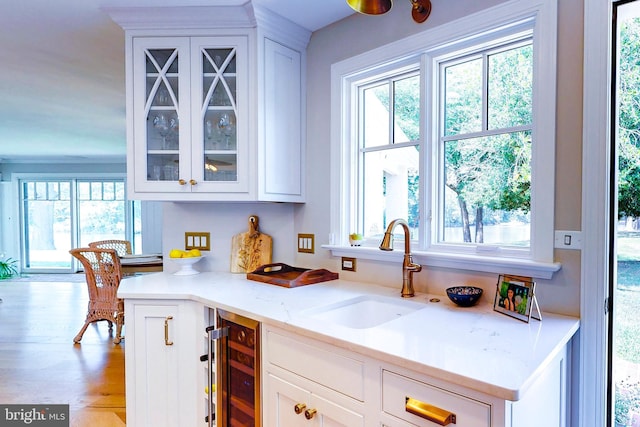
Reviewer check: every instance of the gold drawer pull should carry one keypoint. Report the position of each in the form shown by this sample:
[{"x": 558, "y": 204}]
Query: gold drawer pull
[
  {"x": 166, "y": 331},
  {"x": 182, "y": 181},
  {"x": 309, "y": 413},
  {"x": 429, "y": 412},
  {"x": 193, "y": 182},
  {"x": 299, "y": 408}
]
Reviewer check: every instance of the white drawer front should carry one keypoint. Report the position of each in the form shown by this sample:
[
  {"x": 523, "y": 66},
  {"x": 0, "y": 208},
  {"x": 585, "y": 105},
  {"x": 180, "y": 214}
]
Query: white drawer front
[
  {"x": 321, "y": 365},
  {"x": 396, "y": 388}
]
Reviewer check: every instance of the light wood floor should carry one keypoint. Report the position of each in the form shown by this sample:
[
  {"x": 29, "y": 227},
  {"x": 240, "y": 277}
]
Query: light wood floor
[{"x": 40, "y": 364}]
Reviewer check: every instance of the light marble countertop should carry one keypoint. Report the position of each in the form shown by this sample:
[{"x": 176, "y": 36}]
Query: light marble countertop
[{"x": 475, "y": 347}]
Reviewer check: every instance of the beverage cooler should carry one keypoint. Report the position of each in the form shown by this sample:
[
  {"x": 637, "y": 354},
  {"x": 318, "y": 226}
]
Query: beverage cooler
[{"x": 233, "y": 379}]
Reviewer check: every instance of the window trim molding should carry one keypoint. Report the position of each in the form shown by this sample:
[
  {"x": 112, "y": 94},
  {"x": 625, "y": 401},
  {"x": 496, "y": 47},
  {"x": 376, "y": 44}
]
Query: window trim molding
[{"x": 432, "y": 42}]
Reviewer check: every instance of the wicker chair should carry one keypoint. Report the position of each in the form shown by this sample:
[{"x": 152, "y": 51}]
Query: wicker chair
[
  {"x": 122, "y": 247},
  {"x": 103, "y": 273}
]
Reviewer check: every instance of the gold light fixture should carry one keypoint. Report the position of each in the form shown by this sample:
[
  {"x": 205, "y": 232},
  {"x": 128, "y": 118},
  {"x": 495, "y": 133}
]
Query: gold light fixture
[{"x": 420, "y": 9}]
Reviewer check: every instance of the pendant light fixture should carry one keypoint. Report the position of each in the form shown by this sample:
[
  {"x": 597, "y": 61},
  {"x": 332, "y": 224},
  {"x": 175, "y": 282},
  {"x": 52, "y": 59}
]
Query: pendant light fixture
[{"x": 420, "y": 9}]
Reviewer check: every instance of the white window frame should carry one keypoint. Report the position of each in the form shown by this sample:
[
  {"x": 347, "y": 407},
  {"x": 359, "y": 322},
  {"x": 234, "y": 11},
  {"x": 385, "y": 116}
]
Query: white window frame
[{"x": 503, "y": 20}]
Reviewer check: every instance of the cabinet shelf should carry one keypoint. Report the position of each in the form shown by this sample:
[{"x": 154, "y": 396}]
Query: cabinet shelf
[
  {"x": 215, "y": 74},
  {"x": 163, "y": 152},
  {"x": 242, "y": 367},
  {"x": 156, "y": 75},
  {"x": 242, "y": 406},
  {"x": 242, "y": 348}
]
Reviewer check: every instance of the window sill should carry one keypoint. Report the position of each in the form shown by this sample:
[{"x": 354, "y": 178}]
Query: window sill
[{"x": 488, "y": 264}]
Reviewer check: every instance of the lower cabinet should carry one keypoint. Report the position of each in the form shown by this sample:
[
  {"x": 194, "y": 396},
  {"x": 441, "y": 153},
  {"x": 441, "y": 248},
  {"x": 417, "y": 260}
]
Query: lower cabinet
[
  {"x": 291, "y": 405},
  {"x": 306, "y": 382},
  {"x": 312, "y": 383},
  {"x": 421, "y": 403},
  {"x": 161, "y": 356}
]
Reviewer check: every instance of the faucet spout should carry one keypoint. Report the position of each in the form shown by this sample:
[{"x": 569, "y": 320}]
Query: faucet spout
[{"x": 408, "y": 266}]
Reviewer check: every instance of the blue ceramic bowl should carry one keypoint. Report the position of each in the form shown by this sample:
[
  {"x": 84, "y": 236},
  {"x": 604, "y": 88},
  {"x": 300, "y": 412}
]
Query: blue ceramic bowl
[{"x": 464, "y": 296}]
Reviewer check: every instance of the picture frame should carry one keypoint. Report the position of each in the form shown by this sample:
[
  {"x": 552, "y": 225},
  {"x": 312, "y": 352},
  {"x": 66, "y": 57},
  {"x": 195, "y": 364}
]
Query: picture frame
[{"x": 515, "y": 297}]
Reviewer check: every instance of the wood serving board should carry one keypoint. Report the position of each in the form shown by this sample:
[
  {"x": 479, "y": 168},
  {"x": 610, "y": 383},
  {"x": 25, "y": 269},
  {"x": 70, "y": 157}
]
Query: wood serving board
[
  {"x": 251, "y": 249},
  {"x": 290, "y": 277}
]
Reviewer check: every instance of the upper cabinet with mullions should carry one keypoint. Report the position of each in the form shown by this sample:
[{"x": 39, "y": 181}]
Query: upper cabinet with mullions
[
  {"x": 215, "y": 104},
  {"x": 192, "y": 133}
]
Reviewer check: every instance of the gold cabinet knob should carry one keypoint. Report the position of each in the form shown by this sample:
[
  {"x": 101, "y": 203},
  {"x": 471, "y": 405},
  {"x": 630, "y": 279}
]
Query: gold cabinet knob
[
  {"x": 299, "y": 408},
  {"x": 182, "y": 181},
  {"x": 193, "y": 181},
  {"x": 309, "y": 413}
]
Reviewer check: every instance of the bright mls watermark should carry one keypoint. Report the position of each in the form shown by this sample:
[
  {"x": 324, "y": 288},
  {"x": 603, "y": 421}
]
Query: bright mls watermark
[{"x": 34, "y": 415}]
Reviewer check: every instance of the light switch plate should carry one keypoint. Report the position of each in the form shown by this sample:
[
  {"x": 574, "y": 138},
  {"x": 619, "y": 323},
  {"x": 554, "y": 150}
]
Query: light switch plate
[
  {"x": 306, "y": 243},
  {"x": 348, "y": 264},
  {"x": 568, "y": 239},
  {"x": 197, "y": 240}
]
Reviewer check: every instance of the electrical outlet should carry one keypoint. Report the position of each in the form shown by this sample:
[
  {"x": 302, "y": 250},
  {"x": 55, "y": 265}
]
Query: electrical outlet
[
  {"x": 197, "y": 240},
  {"x": 348, "y": 264},
  {"x": 568, "y": 239},
  {"x": 306, "y": 243}
]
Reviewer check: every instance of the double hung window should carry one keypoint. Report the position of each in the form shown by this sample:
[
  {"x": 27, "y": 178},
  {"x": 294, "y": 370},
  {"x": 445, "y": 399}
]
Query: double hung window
[{"x": 457, "y": 138}]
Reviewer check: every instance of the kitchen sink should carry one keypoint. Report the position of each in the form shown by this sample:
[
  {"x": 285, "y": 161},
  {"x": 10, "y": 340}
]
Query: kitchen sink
[{"x": 364, "y": 311}]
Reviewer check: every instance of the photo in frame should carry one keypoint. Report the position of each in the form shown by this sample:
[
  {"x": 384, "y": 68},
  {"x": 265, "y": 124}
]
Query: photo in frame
[{"x": 515, "y": 297}]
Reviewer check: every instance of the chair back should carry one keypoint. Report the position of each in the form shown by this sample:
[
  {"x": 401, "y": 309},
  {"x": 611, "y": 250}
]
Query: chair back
[
  {"x": 122, "y": 247},
  {"x": 103, "y": 273}
]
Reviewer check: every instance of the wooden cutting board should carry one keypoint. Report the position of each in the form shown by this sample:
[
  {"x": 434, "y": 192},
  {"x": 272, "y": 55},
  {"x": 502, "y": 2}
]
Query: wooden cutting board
[{"x": 251, "y": 249}]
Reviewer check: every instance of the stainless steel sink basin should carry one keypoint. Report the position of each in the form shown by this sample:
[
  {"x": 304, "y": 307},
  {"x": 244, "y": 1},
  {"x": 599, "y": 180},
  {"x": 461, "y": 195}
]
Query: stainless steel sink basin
[{"x": 364, "y": 311}]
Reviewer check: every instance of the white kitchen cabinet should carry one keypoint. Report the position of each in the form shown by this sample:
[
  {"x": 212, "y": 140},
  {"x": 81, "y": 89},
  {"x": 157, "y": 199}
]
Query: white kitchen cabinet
[
  {"x": 343, "y": 386},
  {"x": 308, "y": 384},
  {"x": 215, "y": 104},
  {"x": 161, "y": 355},
  {"x": 292, "y": 405},
  {"x": 190, "y": 115}
]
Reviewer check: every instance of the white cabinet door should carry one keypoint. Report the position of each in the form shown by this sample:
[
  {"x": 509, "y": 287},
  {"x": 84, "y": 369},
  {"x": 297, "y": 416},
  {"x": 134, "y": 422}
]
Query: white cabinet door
[
  {"x": 282, "y": 145},
  {"x": 161, "y": 364},
  {"x": 291, "y": 405},
  {"x": 191, "y": 118},
  {"x": 220, "y": 115},
  {"x": 161, "y": 114}
]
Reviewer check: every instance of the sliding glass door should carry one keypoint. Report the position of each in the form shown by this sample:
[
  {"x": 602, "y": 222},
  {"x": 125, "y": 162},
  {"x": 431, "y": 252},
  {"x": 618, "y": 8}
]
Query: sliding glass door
[{"x": 60, "y": 214}]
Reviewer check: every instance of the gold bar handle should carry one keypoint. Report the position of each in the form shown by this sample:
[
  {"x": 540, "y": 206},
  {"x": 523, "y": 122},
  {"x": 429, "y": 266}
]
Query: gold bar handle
[
  {"x": 429, "y": 412},
  {"x": 166, "y": 331}
]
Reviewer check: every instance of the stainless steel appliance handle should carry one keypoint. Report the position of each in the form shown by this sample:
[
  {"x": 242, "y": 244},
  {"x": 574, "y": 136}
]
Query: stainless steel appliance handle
[{"x": 212, "y": 335}]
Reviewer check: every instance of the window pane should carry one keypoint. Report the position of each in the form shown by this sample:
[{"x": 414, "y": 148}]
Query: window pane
[
  {"x": 376, "y": 116},
  {"x": 390, "y": 186},
  {"x": 510, "y": 88},
  {"x": 96, "y": 191},
  {"x": 102, "y": 215},
  {"x": 83, "y": 189},
  {"x": 406, "y": 113},
  {"x": 47, "y": 225},
  {"x": 463, "y": 97},
  {"x": 487, "y": 190}
]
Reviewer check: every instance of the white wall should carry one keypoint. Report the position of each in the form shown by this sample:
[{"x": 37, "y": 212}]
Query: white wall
[
  {"x": 223, "y": 221},
  {"x": 357, "y": 34}
]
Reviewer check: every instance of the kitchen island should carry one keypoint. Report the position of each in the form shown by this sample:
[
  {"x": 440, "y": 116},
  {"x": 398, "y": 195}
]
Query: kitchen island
[{"x": 489, "y": 360}]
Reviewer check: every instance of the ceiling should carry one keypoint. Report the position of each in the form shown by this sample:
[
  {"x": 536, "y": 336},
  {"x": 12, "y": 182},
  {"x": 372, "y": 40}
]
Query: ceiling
[{"x": 62, "y": 74}]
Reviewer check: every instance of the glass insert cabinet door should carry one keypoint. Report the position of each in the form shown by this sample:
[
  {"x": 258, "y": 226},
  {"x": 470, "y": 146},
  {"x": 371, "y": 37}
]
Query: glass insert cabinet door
[
  {"x": 161, "y": 112},
  {"x": 190, "y": 114},
  {"x": 220, "y": 154},
  {"x": 219, "y": 121}
]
